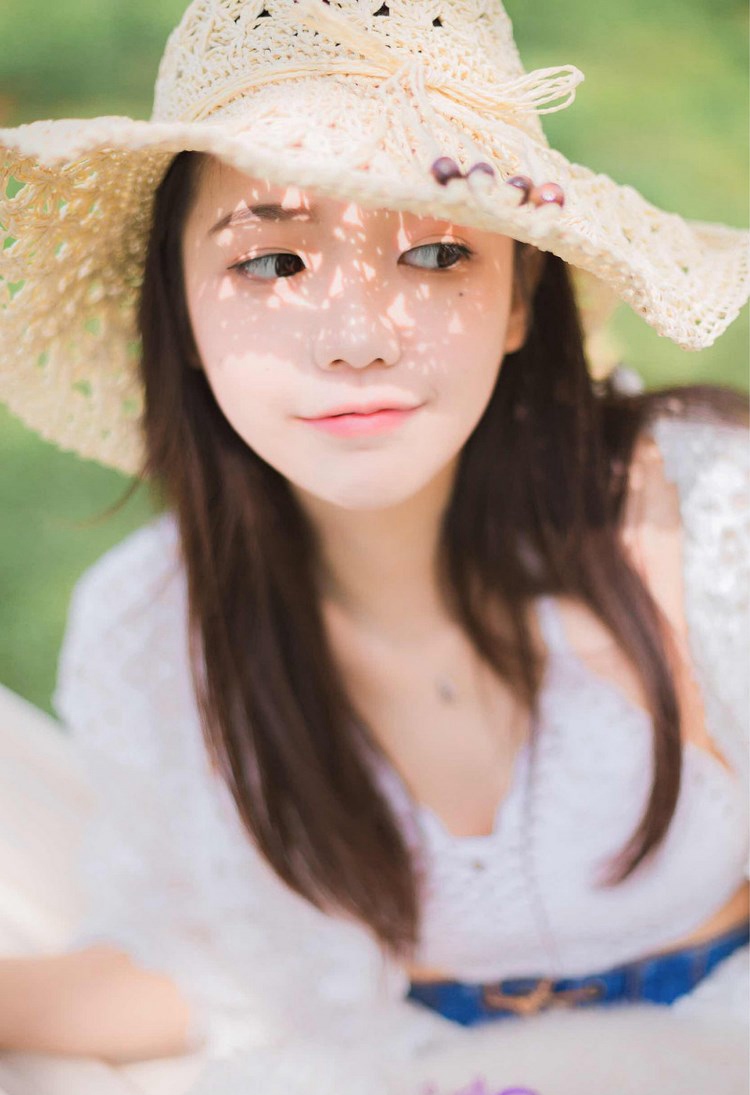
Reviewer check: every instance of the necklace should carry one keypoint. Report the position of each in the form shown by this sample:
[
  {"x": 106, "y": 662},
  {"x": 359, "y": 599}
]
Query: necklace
[{"x": 446, "y": 688}]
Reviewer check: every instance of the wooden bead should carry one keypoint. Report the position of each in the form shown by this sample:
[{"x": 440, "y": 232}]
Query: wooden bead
[
  {"x": 481, "y": 177},
  {"x": 547, "y": 194},
  {"x": 524, "y": 183},
  {"x": 485, "y": 168},
  {"x": 444, "y": 169}
]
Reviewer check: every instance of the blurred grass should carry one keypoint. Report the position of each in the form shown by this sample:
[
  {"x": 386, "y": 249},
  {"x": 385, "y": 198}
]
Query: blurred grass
[{"x": 664, "y": 107}]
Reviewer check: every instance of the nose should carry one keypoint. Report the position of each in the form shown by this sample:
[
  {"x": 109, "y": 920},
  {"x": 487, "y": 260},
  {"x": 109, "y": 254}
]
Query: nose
[{"x": 355, "y": 330}]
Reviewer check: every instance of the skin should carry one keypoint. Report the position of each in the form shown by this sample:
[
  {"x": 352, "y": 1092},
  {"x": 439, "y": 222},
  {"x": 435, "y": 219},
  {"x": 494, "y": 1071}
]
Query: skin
[
  {"x": 365, "y": 313},
  {"x": 371, "y": 315}
]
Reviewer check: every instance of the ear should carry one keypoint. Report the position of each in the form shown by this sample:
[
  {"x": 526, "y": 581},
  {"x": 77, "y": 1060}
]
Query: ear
[
  {"x": 193, "y": 357},
  {"x": 529, "y": 264},
  {"x": 515, "y": 332}
]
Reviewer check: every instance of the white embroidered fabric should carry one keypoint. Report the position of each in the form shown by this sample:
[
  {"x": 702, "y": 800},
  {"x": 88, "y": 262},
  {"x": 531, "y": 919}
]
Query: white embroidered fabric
[
  {"x": 520, "y": 901},
  {"x": 167, "y": 872},
  {"x": 170, "y": 876}
]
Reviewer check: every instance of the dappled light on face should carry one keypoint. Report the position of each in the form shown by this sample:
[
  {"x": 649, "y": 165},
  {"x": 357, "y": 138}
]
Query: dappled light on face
[
  {"x": 352, "y": 216},
  {"x": 368, "y": 269},
  {"x": 304, "y": 304},
  {"x": 399, "y": 312},
  {"x": 295, "y": 285}
]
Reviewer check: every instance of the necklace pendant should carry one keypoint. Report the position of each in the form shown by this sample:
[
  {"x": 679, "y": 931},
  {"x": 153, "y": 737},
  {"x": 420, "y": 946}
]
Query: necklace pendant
[{"x": 446, "y": 689}]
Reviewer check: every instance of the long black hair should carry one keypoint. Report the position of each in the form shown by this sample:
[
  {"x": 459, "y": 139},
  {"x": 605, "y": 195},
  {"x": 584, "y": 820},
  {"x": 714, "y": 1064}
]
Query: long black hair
[{"x": 536, "y": 508}]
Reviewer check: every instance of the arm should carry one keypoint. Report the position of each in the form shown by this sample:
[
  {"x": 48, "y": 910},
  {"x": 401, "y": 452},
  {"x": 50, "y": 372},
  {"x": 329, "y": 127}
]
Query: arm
[
  {"x": 141, "y": 974},
  {"x": 90, "y": 1003},
  {"x": 690, "y": 537}
]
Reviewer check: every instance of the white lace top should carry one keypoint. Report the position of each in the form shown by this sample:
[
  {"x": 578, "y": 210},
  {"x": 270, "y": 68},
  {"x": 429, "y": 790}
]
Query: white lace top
[
  {"x": 520, "y": 901},
  {"x": 170, "y": 876}
]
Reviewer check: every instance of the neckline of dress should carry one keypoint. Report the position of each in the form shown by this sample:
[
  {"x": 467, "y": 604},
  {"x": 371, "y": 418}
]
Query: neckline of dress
[{"x": 558, "y": 651}]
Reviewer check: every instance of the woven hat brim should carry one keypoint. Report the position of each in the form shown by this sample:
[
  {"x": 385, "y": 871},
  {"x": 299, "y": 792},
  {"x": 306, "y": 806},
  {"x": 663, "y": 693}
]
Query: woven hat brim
[{"x": 81, "y": 219}]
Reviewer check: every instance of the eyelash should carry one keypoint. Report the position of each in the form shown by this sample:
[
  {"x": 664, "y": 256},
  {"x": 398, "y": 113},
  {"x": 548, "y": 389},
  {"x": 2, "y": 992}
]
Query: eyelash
[{"x": 464, "y": 255}]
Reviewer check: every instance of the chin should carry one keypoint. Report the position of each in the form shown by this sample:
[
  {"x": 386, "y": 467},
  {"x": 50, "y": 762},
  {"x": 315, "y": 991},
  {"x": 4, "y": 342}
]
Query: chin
[{"x": 371, "y": 495}]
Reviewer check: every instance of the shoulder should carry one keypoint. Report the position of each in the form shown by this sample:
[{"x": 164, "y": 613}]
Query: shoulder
[
  {"x": 128, "y": 577},
  {"x": 704, "y": 456},
  {"x": 700, "y": 560},
  {"x": 687, "y": 511},
  {"x": 118, "y": 608},
  {"x": 694, "y": 470}
]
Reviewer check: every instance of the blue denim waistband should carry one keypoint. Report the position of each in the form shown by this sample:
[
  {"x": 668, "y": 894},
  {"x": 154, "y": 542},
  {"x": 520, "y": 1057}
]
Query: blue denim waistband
[{"x": 660, "y": 979}]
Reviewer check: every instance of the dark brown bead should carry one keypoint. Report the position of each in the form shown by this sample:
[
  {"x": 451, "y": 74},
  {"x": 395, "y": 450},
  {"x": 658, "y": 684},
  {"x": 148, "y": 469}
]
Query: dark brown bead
[
  {"x": 547, "y": 194},
  {"x": 485, "y": 168},
  {"x": 522, "y": 182},
  {"x": 444, "y": 169}
]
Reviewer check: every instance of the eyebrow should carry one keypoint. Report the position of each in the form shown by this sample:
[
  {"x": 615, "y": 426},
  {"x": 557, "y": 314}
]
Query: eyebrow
[{"x": 272, "y": 212}]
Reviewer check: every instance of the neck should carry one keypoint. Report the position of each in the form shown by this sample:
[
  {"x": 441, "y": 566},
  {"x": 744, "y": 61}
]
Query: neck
[{"x": 378, "y": 566}]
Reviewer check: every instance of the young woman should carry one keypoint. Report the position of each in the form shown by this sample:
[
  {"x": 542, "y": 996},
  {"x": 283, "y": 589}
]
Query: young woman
[{"x": 435, "y": 654}]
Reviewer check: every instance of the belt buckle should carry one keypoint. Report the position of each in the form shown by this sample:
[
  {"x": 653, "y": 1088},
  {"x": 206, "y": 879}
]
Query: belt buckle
[
  {"x": 541, "y": 996},
  {"x": 529, "y": 1003}
]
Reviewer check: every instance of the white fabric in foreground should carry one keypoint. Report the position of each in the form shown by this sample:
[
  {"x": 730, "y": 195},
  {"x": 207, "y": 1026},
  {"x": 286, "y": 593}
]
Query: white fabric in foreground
[
  {"x": 168, "y": 873},
  {"x": 698, "y": 1045}
]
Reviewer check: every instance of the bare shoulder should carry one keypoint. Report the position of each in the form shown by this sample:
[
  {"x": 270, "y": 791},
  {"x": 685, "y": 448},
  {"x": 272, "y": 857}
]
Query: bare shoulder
[
  {"x": 652, "y": 496},
  {"x": 689, "y": 482},
  {"x": 689, "y": 470}
]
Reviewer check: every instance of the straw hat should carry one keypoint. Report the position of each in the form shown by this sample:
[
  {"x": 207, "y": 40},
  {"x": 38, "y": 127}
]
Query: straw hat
[{"x": 418, "y": 105}]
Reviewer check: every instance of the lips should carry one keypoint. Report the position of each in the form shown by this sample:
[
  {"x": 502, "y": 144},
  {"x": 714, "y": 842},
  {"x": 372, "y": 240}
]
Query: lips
[
  {"x": 358, "y": 425},
  {"x": 364, "y": 409}
]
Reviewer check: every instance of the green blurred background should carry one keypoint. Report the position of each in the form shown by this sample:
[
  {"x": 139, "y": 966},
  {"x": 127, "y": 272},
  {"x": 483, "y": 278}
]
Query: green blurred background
[{"x": 664, "y": 108}]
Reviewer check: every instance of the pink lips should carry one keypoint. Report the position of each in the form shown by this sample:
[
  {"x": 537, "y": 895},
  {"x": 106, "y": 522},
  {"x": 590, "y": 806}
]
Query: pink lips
[{"x": 356, "y": 425}]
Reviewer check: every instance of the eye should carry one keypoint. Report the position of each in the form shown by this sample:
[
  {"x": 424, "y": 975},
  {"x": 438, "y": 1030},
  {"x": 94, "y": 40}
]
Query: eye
[
  {"x": 281, "y": 264},
  {"x": 268, "y": 267},
  {"x": 448, "y": 255}
]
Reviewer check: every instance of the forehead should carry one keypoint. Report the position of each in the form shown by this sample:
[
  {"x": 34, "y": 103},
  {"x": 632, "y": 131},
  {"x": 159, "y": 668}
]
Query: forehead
[{"x": 224, "y": 189}]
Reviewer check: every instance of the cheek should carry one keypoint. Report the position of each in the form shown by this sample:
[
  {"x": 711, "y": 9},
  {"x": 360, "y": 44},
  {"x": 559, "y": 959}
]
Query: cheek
[
  {"x": 246, "y": 352},
  {"x": 470, "y": 345},
  {"x": 245, "y": 383},
  {"x": 255, "y": 403},
  {"x": 225, "y": 325},
  {"x": 250, "y": 386}
]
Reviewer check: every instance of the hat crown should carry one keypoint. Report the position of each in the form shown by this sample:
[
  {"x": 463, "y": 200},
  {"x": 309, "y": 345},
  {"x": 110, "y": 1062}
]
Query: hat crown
[{"x": 222, "y": 49}]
